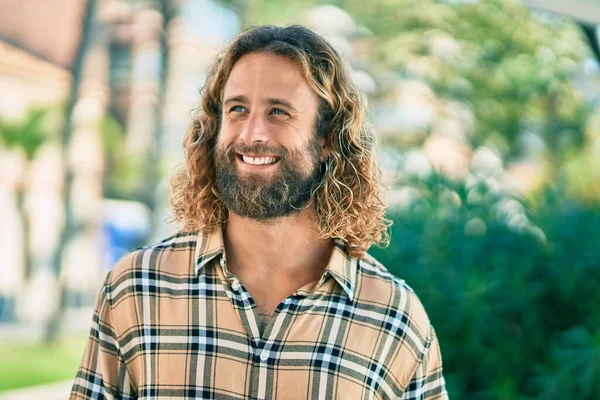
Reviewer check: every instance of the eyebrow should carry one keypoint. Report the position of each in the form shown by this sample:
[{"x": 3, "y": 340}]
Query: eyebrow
[{"x": 271, "y": 100}]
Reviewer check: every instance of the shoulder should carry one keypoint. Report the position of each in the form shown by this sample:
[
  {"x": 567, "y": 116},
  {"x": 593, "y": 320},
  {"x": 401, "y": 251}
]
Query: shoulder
[
  {"x": 172, "y": 255},
  {"x": 393, "y": 296},
  {"x": 413, "y": 359}
]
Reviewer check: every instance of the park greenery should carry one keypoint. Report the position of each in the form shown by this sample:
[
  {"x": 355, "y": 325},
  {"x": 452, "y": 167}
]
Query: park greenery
[
  {"x": 30, "y": 364},
  {"x": 509, "y": 280},
  {"x": 515, "y": 306}
]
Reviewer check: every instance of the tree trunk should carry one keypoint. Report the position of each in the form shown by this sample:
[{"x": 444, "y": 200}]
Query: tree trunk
[{"x": 53, "y": 326}]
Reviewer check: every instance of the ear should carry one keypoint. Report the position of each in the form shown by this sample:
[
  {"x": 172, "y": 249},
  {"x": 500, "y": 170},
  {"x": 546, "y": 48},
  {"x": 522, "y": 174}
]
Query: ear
[{"x": 324, "y": 151}]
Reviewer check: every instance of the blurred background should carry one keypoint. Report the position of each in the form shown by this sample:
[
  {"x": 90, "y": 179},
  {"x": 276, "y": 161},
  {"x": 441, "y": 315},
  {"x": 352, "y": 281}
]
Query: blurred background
[{"x": 487, "y": 113}]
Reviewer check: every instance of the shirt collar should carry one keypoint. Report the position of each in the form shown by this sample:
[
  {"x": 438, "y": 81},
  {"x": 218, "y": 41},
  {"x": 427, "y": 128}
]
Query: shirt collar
[
  {"x": 341, "y": 266},
  {"x": 208, "y": 246}
]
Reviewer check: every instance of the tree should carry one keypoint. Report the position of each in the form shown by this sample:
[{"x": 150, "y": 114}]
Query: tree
[
  {"x": 27, "y": 135},
  {"x": 53, "y": 326}
]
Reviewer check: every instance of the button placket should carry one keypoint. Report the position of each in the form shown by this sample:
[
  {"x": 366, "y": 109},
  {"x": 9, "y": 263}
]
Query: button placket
[{"x": 264, "y": 355}]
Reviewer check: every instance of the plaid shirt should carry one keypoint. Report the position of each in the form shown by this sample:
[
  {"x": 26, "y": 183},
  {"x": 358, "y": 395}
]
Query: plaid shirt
[{"x": 172, "y": 321}]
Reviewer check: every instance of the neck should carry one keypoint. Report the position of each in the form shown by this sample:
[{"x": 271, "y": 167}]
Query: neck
[{"x": 287, "y": 246}]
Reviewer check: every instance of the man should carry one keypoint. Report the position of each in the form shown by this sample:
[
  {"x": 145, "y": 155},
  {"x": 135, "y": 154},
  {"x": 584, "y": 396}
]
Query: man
[{"x": 267, "y": 292}]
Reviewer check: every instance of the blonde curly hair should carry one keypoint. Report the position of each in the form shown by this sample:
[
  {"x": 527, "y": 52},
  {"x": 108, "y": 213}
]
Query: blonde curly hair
[{"x": 348, "y": 204}]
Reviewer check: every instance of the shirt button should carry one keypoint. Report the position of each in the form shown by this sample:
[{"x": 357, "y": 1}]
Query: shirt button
[
  {"x": 235, "y": 286},
  {"x": 264, "y": 355}
]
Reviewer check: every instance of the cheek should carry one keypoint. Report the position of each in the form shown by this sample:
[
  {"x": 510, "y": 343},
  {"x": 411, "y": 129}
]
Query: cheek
[
  {"x": 226, "y": 133},
  {"x": 230, "y": 131},
  {"x": 307, "y": 157}
]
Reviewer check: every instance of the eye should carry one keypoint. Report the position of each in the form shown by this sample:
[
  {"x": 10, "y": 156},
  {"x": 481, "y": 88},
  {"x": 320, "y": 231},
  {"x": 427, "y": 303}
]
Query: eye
[
  {"x": 278, "y": 111},
  {"x": 237, "y": 109}
]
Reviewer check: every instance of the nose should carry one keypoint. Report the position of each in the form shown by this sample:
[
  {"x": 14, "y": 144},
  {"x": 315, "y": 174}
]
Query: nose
[{"x": 254, "y": 129}]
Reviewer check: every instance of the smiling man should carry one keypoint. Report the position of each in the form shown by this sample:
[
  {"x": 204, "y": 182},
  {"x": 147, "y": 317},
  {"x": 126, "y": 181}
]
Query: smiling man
[{"x": 267, "y": 292}]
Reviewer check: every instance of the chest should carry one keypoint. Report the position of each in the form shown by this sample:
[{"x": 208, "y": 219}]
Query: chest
[
  {"x": 270, "y": 290},
  {"x": 315, "y": 346},
  {"x": 266, "y": 296}
]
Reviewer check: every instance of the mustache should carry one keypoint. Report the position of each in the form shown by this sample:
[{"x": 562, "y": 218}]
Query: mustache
[{"x": 258, "y": 149}]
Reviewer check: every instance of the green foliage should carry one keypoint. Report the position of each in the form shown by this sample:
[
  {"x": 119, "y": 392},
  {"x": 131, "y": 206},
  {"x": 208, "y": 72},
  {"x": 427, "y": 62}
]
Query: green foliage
[
  {"x": 125, "y": 176},
  {"x": 111, "y": 132},
  {"x": 127, "y": 179},
  {"x": 279, "y": 12},
  {"x": 511, "y": 70},
  {"x": 28, "y": 134},
  {"x": 582, "y": 174},
  {"x": 515, "y": 305}
]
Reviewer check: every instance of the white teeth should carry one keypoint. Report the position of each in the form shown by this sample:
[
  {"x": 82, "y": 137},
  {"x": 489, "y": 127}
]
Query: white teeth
[{"x": 259, "y": 161}]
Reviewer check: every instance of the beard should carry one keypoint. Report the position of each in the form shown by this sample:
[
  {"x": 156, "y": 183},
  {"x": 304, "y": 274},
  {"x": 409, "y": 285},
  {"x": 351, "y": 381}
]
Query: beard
[{"x": 265, "y": 197}]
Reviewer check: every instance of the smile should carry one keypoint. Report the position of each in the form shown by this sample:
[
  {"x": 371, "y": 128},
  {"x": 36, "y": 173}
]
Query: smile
[{"x": 258, "y": 160}]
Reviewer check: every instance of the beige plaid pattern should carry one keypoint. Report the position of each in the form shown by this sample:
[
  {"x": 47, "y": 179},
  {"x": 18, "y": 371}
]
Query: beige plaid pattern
[{"x": 172, "y": 322}]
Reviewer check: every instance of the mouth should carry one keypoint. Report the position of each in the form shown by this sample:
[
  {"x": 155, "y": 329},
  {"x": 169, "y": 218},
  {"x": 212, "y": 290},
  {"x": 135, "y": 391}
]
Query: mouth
[{"x": 256, "y": 161}]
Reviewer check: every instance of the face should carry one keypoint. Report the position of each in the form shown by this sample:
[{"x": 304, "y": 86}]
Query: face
[{"x": 268, "y": 154}]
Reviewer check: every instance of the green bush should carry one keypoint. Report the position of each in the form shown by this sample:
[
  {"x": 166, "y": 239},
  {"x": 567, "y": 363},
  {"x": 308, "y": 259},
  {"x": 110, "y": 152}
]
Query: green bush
[{"x": 513, "y": 296}]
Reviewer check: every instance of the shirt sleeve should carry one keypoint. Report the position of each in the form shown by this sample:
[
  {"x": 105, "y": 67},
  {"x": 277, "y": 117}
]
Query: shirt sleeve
[
  {"x": 102, "y": 373},
  {"x": 428, "y": 381}
]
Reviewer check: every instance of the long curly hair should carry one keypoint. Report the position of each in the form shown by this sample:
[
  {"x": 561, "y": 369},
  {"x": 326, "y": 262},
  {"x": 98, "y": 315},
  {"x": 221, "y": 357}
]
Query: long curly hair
[{"x": 348, "y": 204}]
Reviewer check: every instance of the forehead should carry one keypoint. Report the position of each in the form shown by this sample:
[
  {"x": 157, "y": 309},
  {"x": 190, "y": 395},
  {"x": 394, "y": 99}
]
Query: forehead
[{"x": 262, "y": 75}]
